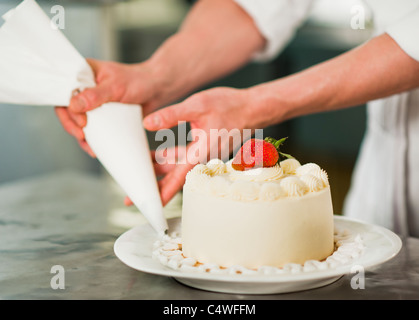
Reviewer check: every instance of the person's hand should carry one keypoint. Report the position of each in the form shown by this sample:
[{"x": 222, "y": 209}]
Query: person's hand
[
  {"x": 212, "y": 114},
  {"x": 116, "y": 82}
]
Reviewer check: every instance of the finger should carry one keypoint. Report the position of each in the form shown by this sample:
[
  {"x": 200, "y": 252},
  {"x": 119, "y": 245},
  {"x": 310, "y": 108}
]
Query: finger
[
  {"x": 163, "y": 169},
  {"x": 79, "y": 118},
  {"x": 94, "y": 64},
  {"x": 168, "y": 155},
  {"x": 164, "y": 160},
  {"x": 170, "y": 116},
  {"x": 69, "y": 125},
  {"x": 85, "y": 146},
  {"x": 128, "y": 202},
  {"x": 91, "y": 98},
  {"x": 148, "y": 107},
  {"x": 169, "y": 185},
  {"x": 153, "y": 155},
  {"x": 173, "y": 182}
]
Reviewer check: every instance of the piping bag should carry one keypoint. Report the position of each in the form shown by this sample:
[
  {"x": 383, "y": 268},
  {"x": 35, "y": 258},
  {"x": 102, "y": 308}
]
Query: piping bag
[{"x": 40, "y": 67}]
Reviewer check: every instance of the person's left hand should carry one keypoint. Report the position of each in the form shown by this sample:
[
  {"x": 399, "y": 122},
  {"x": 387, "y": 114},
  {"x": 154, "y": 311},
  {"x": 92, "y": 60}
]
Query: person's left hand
[
  {"x": 139, "y": 83},
  {"x": 215, "y": 111}
]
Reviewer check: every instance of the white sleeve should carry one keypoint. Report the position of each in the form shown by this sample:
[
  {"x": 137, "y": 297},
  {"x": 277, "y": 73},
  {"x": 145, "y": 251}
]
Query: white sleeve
[
  {"x": 406, "y": 33},
  {"x": 277, "y": 20}
]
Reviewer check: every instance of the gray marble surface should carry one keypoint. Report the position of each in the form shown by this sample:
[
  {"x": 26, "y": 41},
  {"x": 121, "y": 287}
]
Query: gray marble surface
[{"x": 73, "y": 219}]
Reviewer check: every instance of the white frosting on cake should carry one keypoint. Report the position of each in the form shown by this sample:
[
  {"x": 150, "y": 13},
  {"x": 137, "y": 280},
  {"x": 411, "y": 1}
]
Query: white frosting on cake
[
  {"x": 219, "y": 187},
  {"x": 289, "y": 177},
  {"x": 271, "y": 191},
  {"x": 290, "y": 165},
  {"x": 265, "y": 216},
  {"x": 312, "y": 182},
  {"x": 244, "y": 190},
  {"x": 258, "y": 174},
  {"x": 347, "y": 247},
  {"x": 294, "y": 186},
  {"x": 216, "y": 167},
  {"x": 201, "y": 169},
  {"x": 306, "y": 168}
]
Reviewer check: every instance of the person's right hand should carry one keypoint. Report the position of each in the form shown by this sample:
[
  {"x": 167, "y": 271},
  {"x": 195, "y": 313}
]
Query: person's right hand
[
  {"x": 217, "y": 117},
  {"x": 115, "y": 82}
]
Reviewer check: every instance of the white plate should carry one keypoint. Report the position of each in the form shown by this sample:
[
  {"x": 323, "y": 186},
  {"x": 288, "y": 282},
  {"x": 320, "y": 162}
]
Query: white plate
[{"x": 134, "y": 248}]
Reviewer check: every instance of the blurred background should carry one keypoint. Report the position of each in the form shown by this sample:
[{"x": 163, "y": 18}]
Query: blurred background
[{"x": 33, "y": 142}]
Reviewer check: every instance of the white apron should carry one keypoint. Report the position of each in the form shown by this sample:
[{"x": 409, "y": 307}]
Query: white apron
[{"x": 385, "y": 184}]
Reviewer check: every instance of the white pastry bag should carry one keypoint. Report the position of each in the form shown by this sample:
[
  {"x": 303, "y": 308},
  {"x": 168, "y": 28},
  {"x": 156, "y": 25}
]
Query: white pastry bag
[{"x": 40, "y": 67}]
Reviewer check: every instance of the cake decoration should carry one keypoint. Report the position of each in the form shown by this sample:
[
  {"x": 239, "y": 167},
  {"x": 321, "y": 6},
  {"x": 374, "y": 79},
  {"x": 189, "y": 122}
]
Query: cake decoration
[
  {"x": 307, "y": 168},
  {"x": 294, "y": 186},
  {"x": 347, "y": 247},
  {"x": 290, "y": 166},
  {"x": 244, "y": 190},
  {"x": 216, "y": 167},
  {"x": 258, "y": 153},
  {"x": 288, "y": 177},
  {"x": 258, "y": 174},
  {"x": 313, "y": 183},
  {"x": 271, "y": 191}
]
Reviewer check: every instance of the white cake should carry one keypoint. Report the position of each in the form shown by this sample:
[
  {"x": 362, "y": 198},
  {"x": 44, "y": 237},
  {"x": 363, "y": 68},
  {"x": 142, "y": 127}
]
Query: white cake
[{"x": 259, "y": 217}]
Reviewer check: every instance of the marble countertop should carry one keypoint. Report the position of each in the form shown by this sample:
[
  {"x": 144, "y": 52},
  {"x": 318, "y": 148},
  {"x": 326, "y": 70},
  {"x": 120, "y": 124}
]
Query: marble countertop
[{"x": 72, "y": 220}]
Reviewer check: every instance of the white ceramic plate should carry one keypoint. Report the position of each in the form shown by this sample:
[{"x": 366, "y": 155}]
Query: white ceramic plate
[{"x": 134, "y": 248}]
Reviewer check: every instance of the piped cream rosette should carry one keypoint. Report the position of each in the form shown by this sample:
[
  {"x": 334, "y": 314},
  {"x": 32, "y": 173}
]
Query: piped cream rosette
[{"x": 288, "y": 178}]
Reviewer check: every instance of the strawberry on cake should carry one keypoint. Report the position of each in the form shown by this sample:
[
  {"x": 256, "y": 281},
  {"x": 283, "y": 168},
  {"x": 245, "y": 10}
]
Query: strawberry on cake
[{"x": 257, "y": 210}]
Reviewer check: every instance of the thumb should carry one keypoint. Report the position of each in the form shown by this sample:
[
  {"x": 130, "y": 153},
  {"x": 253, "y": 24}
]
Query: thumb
[
  {"x": 170, "y": 116},
  {"x": 91, "y": 98}
]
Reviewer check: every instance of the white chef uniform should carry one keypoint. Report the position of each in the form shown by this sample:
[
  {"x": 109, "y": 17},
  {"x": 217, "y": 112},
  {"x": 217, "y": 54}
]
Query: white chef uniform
[{"x": 385, "y": 184}]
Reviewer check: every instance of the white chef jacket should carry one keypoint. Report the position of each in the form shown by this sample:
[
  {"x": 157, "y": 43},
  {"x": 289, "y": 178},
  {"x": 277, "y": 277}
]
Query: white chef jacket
[{"x": 385, "y": 183}]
